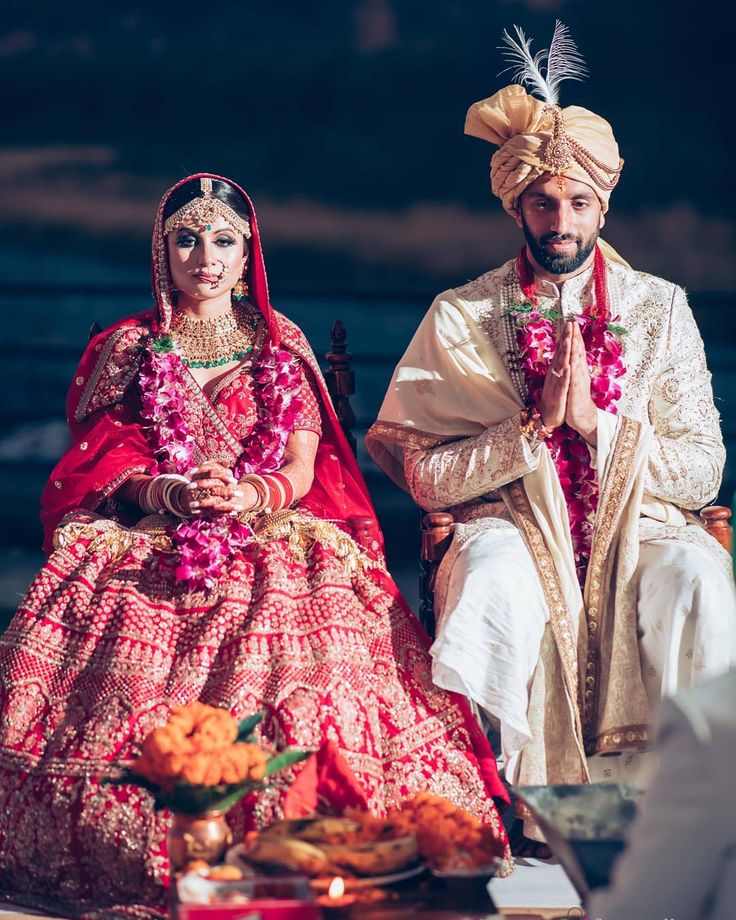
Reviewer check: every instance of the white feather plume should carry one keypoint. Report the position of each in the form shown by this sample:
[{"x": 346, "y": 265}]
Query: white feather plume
[
  {"x": 564, "y": 61},
  {"x": 525, "y": 66},
  {"x": 561, "y": 62}
]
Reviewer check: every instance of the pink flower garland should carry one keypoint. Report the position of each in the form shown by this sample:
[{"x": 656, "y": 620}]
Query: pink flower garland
[
  {"x": 163, "y": 407},
  {"x": 206, "y": 545},
  {"x": 277, "y": 378},
  {"x": 535, "y": 335}
]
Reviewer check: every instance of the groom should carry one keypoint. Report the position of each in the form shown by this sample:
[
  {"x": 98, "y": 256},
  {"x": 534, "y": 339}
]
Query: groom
[{"x": 561, "y": 408}]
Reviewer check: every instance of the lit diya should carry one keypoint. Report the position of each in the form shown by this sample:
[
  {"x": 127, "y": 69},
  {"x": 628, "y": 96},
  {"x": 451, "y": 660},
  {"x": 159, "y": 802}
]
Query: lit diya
[{"x": 337, "y": 902}]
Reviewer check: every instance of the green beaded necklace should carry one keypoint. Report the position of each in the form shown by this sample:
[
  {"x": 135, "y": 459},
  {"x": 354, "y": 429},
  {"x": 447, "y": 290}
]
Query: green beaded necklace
[{"x": 236, "y": 356}]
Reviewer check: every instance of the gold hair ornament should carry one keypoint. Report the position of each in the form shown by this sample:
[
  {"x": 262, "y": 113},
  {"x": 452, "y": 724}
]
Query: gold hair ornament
[{"x": 201, "y": 212}]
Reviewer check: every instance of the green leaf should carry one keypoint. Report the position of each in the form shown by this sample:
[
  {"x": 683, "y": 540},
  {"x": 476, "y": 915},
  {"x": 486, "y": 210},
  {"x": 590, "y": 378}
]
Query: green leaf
[
  {"x": 519, "y": 308},
  {"x": 162, "y": 343},
  {"x": 617, "y": 330},
  {"x": 245, "y": 729},
  {"x": 237, "y": 791},
  {"x": 193, "y": 799},
  {"x": 285, "y": 759}
]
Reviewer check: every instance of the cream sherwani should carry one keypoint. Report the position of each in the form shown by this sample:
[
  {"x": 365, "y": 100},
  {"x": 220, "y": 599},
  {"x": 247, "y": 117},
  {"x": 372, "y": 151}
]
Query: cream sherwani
[{"x": 568, "y": 673}]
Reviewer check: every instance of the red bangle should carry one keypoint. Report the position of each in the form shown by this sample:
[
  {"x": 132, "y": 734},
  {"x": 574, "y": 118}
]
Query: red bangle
[
  {"x": 287, "y": 485},
  {"x": 280, "y": 491}
]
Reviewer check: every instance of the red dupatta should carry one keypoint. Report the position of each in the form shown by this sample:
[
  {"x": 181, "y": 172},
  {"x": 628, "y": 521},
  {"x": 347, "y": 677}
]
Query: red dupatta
[{"x": 108, "y": 443}]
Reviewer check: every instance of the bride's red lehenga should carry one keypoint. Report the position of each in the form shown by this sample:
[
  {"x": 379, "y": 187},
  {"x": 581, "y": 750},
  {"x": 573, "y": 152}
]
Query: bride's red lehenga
[{"x": 307, "y": 627}]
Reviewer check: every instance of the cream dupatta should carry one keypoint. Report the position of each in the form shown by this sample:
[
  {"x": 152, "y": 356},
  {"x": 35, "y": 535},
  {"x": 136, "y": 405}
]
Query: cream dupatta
[{"x": 452, "y": 383}]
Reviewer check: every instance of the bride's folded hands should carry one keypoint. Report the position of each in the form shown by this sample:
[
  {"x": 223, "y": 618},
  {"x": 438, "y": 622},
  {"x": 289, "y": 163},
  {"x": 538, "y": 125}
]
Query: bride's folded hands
[{"x": 214, "y": 488}]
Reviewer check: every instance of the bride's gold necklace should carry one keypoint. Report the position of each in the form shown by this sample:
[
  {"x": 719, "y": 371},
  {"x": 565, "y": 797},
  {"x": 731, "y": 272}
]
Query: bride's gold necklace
[{"x": 217, "y": 340}]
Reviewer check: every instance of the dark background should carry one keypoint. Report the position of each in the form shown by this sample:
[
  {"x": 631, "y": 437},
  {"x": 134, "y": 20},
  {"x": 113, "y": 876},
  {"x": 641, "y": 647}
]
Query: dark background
[{"x": 344, "y": 121}]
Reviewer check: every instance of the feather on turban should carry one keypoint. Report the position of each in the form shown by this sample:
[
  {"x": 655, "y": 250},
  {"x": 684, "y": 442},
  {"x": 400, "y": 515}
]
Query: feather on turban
[{"x": 536, "y": 136}]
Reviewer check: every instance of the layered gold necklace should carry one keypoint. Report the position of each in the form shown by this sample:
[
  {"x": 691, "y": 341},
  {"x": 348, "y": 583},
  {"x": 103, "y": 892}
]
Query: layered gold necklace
[{"x": 217, "y": 340}]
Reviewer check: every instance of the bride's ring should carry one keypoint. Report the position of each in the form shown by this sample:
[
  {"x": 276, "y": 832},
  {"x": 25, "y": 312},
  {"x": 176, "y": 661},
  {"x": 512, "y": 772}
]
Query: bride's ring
[{"x": 555, "y": 372}]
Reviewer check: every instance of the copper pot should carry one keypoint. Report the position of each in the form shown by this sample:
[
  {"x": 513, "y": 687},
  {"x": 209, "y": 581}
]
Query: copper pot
[{"x": 205, "y": 836}]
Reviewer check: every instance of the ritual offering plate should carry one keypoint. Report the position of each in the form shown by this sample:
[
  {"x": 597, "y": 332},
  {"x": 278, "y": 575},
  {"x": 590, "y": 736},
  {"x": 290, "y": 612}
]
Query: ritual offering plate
[{"x": 327, "y": 848}]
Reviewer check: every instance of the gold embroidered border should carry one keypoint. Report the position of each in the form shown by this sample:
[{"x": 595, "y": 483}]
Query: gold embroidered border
[
  {"x": 622, "y": 739},
  {"x": 228, "y": 378},
  {"x": 119, "y": 480},
  {"x": 405, "y": 436},
  {"x": 431, "y": 730},
  {"x": 91, "y": 385},
  {"x": 610, "y": 509},
  {"x": 559, "y": 616}
]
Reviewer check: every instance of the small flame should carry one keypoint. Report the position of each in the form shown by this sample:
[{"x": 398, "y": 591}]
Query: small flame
[{"x": 337, "y": 888}]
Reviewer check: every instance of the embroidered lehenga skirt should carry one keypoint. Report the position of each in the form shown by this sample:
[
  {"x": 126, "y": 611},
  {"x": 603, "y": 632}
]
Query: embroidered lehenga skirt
[{"x": 304, "y": 627}]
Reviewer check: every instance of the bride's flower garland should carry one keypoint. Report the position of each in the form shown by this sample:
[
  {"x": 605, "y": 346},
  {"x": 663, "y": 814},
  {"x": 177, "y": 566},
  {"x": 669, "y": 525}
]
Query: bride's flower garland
[
  {"x": 205, "y": 545},
  {"x": 535, "y": 337}
]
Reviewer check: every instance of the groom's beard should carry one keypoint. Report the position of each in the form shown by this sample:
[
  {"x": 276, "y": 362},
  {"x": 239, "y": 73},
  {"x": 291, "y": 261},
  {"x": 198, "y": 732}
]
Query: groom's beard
[{"x": 557, "y": 263}]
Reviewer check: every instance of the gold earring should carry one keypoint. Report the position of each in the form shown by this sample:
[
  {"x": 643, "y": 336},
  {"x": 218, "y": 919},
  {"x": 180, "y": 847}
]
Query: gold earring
[{"x": 240, "y": 291}]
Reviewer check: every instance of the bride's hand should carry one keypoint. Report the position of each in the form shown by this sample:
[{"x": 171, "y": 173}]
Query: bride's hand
[
  {"x": 244, "y": 498},
  {"x": 211, "y": 483},
  {"x": 214, "y": 488}
]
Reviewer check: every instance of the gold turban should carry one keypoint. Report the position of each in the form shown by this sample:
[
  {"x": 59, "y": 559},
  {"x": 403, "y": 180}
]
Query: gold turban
[{"x": 535, "y": 137}]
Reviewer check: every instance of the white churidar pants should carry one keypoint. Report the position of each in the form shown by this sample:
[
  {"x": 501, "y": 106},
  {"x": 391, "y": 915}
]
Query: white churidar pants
[{"x": 489, "y": 635}]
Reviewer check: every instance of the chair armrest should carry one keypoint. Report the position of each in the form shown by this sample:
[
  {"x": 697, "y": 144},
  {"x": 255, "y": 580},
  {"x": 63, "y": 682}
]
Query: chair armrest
[
  {"x": 716, "y": 519},
  {"x": 436, "y": 535}
]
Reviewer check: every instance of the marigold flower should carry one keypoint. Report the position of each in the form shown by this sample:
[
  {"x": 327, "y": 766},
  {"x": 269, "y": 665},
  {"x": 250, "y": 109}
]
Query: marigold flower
[{"x": 198, "y": 744}]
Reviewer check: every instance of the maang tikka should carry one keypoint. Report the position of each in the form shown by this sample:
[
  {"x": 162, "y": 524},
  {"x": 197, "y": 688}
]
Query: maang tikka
[{"x": 201, "y": 212}]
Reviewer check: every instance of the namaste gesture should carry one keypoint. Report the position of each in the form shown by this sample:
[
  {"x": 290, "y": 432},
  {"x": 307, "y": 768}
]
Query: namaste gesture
[{"x": 566, "y": 393}]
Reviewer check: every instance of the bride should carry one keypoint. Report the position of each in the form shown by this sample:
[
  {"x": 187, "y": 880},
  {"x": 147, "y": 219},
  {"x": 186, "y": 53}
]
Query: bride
[{"x": 200, "y": 549}]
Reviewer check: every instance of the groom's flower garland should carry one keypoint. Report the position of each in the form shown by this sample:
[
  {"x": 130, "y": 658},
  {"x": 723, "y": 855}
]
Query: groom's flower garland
[
  {"x": 535, "y": 337},
  {"x": 204, "y": 546}
]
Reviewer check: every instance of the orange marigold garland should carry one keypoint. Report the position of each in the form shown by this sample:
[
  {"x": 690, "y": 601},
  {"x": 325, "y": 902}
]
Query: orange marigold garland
[
  {"x": 447, "y": 836},
  {"x": 203, "y": 760}
]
